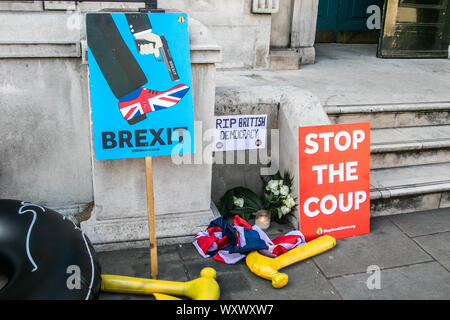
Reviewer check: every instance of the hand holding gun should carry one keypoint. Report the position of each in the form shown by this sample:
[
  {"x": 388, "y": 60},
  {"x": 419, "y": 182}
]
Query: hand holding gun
[
  {"x": 148, "y": 42},
  {"x": 151, "y": 44}
]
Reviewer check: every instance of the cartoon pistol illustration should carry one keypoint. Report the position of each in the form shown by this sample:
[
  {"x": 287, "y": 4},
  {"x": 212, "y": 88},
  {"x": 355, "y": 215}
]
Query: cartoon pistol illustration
[{"x": 165, "y": 55}]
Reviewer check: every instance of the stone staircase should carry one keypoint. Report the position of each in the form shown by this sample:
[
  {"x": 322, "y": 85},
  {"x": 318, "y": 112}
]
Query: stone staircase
[{"x": 410, "y": 154}]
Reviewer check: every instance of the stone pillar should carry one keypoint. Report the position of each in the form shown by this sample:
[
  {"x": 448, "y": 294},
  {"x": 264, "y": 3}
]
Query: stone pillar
[
  {"x": 293, "y": 33},
  {"x": 301, "y": 108},
  {"x": 182, "y": 192},
  {"x": 303, "y": 30}
]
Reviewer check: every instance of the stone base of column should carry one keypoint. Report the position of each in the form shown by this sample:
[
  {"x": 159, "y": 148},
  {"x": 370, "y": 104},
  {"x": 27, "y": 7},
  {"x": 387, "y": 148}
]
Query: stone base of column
[{"x": 172, "y": 228}]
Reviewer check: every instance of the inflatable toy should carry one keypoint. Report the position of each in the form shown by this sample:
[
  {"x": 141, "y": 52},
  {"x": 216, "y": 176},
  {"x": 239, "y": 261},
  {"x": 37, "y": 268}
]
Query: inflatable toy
[
  {"x": 203, "y": 288},
  {"x": 44, "y": 255},
  {"x": 267, "y": 268}
]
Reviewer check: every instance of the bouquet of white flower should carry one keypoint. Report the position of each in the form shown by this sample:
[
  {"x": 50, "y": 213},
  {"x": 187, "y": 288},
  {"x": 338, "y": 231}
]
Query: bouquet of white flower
[
  {"x": 244, "y": 202},
  {"x": 277, "y": 198}
]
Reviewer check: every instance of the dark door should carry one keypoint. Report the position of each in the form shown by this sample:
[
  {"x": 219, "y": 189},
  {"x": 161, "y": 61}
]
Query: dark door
[
  {"x": 353, "y": 14},
  {"x": 327, "y": 15},
  {"x": 415, "y": 29},
  {"x": 339, "y": 19}
]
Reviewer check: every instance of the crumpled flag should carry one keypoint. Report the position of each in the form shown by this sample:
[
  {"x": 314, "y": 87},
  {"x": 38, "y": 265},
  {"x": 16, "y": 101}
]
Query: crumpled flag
[{"x": 230, "y": 243}]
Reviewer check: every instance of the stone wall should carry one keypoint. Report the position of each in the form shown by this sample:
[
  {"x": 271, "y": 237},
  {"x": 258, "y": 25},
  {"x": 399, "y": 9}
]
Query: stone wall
[
  {"x": 45, "y": 145},
  {"x": 45, "y": 127},
  {"x": 244, "y": 36},
  {"x": 280, "y": 33}
]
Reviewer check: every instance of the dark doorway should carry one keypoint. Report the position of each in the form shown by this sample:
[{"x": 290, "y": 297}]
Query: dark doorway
[{"x": 349, "y": 21}]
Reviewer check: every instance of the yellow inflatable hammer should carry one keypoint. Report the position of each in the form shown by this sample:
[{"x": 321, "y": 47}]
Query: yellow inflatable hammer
[
  {"x": 267, "y": 268},
  {"x": 203, "y": 288}
]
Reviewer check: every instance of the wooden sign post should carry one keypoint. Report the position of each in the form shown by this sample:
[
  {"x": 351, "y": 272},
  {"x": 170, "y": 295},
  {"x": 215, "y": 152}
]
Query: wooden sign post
[{"x": 151, "y": 218}]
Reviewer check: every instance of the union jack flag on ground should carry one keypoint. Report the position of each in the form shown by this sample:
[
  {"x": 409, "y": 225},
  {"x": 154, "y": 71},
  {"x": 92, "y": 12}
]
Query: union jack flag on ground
[{"x": 230, "y": 243}]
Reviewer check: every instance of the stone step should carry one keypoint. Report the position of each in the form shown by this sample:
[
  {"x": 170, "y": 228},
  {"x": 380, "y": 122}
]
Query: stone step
[
  {"x": 399, "y": 147},
  {"x": 392, "y": 115},
  {"x": 409, "y": 189},
  {"x": 284, "y": 59}
]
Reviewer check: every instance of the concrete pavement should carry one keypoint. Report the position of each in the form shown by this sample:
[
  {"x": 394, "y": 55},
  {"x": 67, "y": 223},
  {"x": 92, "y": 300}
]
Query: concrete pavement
[{"x": 412, "y": 252}]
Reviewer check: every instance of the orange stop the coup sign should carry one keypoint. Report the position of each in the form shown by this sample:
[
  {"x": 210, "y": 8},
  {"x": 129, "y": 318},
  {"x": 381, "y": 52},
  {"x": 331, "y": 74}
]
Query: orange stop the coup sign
[{"x": 334, "y": 180}]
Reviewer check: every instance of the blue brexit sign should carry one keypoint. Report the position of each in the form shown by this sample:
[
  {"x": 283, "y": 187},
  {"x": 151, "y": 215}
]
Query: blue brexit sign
[{"x": 140, "y": 84}]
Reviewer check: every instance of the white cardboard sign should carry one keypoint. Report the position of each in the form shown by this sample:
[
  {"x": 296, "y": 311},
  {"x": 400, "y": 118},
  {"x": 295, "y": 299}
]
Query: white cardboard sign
[{"x": 240, "y": 132}]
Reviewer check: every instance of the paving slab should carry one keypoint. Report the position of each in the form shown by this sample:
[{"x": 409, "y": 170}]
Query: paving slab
[
  {"x": 133, "y": 262},
  {"x": 237, "y": 282},
  {"x": 232, "y": 280},
  {"x": 424, "y": 222},
  {"x": 385, "y": 246},
  {"x": 123, "y": 262},
  {"x": 136, "y": 263},
  {"x": 425, "y": 281},
  {"x": 187, "y": 252},
  {"x": 306, "y": 282},
  {"x": 194, "y": 266},
  {"x": 438, "y": 246},
  {"x": 236, "y": 286}
]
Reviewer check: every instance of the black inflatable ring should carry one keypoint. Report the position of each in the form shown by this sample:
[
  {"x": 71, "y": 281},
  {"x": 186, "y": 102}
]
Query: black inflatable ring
[{"x": 44, "y": 255}]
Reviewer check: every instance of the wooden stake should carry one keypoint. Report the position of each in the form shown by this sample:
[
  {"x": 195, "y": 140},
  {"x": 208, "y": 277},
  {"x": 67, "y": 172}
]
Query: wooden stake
[{"x": 151, "y": 218}]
